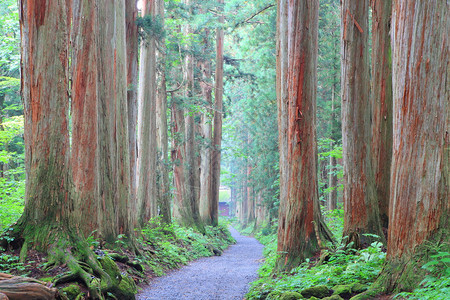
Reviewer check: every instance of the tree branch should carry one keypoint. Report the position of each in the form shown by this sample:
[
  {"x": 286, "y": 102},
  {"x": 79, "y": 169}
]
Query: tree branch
[{"x": 254, "y": 15}]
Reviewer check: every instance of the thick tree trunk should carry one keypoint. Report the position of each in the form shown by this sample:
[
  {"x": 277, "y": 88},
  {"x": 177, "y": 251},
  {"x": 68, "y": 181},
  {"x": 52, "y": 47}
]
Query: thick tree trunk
[
  {"x": 163, "y": 184},
  {"x": 146, "y": 191},
  {"x": 132, "y": 85},
  {"x": 301, "y": 228},
  {"x": 217, "y": 133},
  {"x": 420, "y": 204},
  {"x": 186, "y": 173},
  {"x": 44, "y": 88},
  {"x": 84, "y": 116},
  {"x": 360, "y": 199},
  {"x": 112, "y": 147},
  {"x": 178, "y": 156},
  {"x": 206, "y": 127},
  {"x": 381, "y": 101}
]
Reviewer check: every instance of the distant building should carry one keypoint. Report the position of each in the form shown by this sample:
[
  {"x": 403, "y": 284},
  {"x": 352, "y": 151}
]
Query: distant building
[
  {"x": 224, "y": 209},
  {"x": 224, "y": 201}
]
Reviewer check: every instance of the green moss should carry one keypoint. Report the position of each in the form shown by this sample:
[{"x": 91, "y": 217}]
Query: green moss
[
  {"x": 359, "y": 288},
  {"x": 319, "y": 291},
  {"x": 343, "y": 290},
  {"x": 290, "y": 296},
  {"x": 111, "y": 268},
  {"x": 333, "y": 297},
  {"x": 72, "y": 291},
  {"x": 127, "y": 288}
]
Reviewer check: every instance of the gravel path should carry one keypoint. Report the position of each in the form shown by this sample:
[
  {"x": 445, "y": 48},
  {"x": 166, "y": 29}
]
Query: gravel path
[{"x": 218, "y": 277}]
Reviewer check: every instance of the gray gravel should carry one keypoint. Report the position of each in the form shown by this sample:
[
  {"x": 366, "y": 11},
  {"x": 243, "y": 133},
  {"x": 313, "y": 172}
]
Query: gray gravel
[{"x": 219, "y": 277}]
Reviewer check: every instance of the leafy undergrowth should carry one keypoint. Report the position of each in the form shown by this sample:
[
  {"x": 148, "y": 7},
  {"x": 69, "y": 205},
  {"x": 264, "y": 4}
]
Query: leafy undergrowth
[
  {"x": 160, "y": 247},
  {"x": 339, "y": 273}
]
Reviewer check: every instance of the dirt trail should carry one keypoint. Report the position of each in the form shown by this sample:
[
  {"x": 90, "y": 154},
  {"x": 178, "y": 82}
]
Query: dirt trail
[{"x": 219, "y": 277}]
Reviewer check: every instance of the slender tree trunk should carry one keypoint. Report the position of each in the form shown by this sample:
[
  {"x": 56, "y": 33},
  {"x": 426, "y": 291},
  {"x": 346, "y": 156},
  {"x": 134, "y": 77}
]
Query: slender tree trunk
[
  {"x": 132, "y": 85},
  {"x": 381, "y": 101},
  {"x": 84, "y": 160},
  {"x": 282, "y": 101},
  {"x": 250, "y": 196},
  {"x": 112, "y": 147},
  {"x": 301, "y": 228},
  {"x": 360, "y": 199},
  {"x": 146, "y": 192},
  {"x": 206, "y": 126},
  {"x": 332, "y": 177},
  {"x": 217, "y": 134},
  {"x": 2, "y": 101},
  {"x": 48, "y": 204},
  {"x": 163, "y": 184},
  {"x": 420, "y": 205}
]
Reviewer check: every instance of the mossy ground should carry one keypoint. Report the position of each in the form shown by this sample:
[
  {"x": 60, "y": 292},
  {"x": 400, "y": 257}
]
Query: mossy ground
[
  {"x": 355, "y": 274},
  {"x": 114, "y": 270}
]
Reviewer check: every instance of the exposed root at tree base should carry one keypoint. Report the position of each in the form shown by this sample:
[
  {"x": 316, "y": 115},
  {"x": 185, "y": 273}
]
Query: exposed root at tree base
[{"x": 98, "y": 273}]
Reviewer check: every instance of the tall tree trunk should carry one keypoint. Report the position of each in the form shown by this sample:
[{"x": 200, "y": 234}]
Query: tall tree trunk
[
  {"x": 113, "y": 149},
  {"x": 206, "y": 126},
  {"x": 132, "y": 76},
  {"x": 282, "y": 102},
  {"x": 146, "y": 192},
  {"x": 163, "y": 184},
  {"x": 217, "y": 133},
  {"x": 250, "y": 196},
  {"x": 301, "y": 228},
  {"x": 2, "y": 101},
  {"x": 381, "y": 101},
  {"x": 190, "y": 168},
  {"x": 420, "y": 204},
  {"x": 360, "y": 199},
  {"x": 332, "y": 177},
  {"x": 84, "y": 160},
  {"x": 48, "y": 204},
  {"x": 178, "y": 157}
]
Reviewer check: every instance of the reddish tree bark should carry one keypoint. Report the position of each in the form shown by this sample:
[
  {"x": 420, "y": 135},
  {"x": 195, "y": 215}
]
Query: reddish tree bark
[
  {"x": 132, "y": 76},
  {"x": 146, "y": 192},
  {"x": 206, "y": 133},
  {"x": 84, "y": 116},
  {"x": 44, "y": 89},
  {"x": 381, "y": 102},
  {"x": 217, "y": 127},
  {"x": 420, "y": 202},
  {"x": 163, "y": 184},
  {"x": 360, "y": 201},
  {"x": 300, "y": 229},
  {"x": 113, "y": 149}
]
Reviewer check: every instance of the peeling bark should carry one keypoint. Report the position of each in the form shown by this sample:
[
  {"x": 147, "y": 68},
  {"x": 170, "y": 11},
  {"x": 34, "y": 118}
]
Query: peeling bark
[
  {"x": 84, "y": 116},
  {"x": 146, "y": 192},
  {"x": 420, "y": 202},
  {"x": 44, "y": 89},
  {"x": 132, "y": 76},
  {"x": 299, "y": 209},
  {"x": 217, "y": 127},
  {"x": 112, "y": 147},
  {"x": 163, "y": 184},
  {"x": 381, "y": 102},
  {"x": 360, "y": 198}
]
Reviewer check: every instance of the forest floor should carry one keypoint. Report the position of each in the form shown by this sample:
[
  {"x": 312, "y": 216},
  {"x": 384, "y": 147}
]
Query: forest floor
[{"x": 219, "y": 277}]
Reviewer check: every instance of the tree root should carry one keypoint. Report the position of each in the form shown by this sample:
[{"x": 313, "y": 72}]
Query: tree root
[
  {"x": 23, "y": 288},
  {"x": 66, "y": 248}
]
